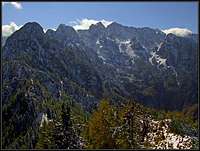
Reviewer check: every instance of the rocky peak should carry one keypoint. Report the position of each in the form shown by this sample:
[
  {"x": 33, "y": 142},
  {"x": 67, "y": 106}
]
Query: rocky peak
[
  {"x": 98, "y": 25},
  {"x": 64, "y": 33},
  {"x": 31, "y": 35},
  {"x": 114, "y": 25},
  {"x": 32, "y": 26},
  {"x": 65, "y": 30},
  {"x": 97, "y": 28},
  {"x": 120, "y": 31},
  {"x": 31, "y": 30},
  {"x": 50, "y": 32}
]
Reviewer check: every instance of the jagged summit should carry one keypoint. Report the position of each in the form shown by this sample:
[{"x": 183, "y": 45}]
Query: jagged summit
[
  {"x": 62, "y": 28},
  {"x": 49, "y": 31},
  {"x": 32, "y": 27},
  {"x": 31, "y": 30},
  {"x": 97, "y": 26},
  {"x": 100, "y": 25},
  {"x": 63, "y": 33},
  {"x": 114, "y": 24}
]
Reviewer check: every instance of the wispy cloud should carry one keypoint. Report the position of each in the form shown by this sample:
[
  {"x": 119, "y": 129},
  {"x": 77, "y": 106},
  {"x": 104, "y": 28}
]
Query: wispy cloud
[
  {"x": 182, "y": 32},
  {"x": 17, "y": 5},
  {"x": 7, "y": 30},
  {"x": 86, "y": 23}
]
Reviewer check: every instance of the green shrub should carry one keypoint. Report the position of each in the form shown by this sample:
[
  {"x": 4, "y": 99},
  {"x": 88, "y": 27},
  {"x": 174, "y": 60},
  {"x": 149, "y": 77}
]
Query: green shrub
[{"x": 177, "y": 127}]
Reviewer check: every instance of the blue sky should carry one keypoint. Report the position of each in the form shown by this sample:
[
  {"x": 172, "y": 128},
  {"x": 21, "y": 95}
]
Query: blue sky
[{"x": 162, "y": 15}]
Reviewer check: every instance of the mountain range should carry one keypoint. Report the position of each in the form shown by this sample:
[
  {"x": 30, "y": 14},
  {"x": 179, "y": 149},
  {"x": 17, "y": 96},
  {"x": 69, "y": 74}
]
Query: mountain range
[{"x": 117, "y": 62}]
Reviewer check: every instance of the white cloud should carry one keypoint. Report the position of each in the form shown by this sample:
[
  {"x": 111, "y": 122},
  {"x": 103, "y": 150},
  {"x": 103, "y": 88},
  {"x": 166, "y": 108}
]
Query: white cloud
[
  {"x": 86, "y": 23},
  {"x": 182, "y": 32},
  {"x": 7, "y": 30},
  {"x": 17, "y": 5}
]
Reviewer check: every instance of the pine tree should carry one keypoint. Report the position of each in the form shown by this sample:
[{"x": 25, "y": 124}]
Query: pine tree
[
  {"x": 65, "y": 136},
  {"x": 46, "y": 140}
]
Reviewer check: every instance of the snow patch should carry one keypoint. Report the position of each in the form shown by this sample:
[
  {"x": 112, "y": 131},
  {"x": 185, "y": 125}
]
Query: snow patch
[
  {"x": 162, "y": 61},
  {"x": 61, "y": 82},
  {"x": 109, "y": 38},
  {"x": 44, "y": 119},
  {"x": 168, "y": 140},
  {"x": 158, "y": 59},
  {"x": 102, "y": 57},
  {"x": 176, "y": 74},
  {"x": 127, "y": 47},
  {"x": 97, "y": 42},
  {"x": 32, "y": 81}
]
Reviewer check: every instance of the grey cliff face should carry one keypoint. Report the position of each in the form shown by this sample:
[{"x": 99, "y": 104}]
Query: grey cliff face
[{"x": 114, "y": 61}]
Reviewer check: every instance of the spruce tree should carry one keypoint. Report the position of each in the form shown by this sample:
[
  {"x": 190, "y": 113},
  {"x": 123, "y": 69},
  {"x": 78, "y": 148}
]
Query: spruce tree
[{"x": 65, "y": 136}]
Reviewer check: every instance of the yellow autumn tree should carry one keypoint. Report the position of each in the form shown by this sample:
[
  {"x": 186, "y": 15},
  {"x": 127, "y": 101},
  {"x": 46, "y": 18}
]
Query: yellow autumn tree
[{"x": 99, "y": 125}]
